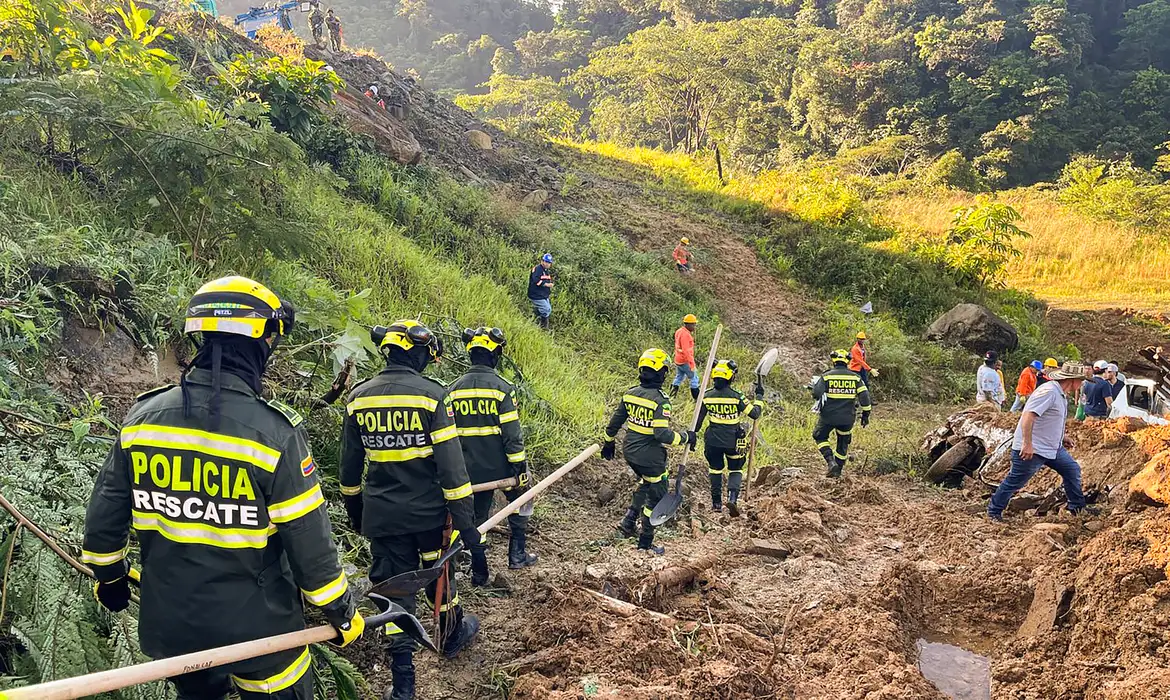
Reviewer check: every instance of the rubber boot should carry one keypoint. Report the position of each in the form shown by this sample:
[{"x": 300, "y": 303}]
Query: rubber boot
[
  {"x": 629, "y": 524},
  {"x": 462, "y": 637},
  {"x": 479, "y": 566},
  {"x": 717, "y": 493},
  {"x": 674, "y": 391},
  {"x": 831, "y": 460},
  {"x": 646, "y": 540},
  {"x": 836, "y": 465},
  {"x": 695, "y": 393},
  {"x": 402, "y": 673},
  {"x": 518, "y": 554},
  {"x": 734, "y": 482}
]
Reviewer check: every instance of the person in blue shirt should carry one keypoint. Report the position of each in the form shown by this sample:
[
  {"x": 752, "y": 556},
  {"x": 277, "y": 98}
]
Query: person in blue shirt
[
  {"x": 540, "y": 285},
  {"x": 1098, "y": 392}
]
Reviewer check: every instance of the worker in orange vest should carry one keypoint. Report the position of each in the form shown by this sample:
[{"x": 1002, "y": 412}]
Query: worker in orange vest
[
  {"x": 682, "y": 256},
  {"x": 684, "y": 356},
  {"x": 858, "y": 360}
]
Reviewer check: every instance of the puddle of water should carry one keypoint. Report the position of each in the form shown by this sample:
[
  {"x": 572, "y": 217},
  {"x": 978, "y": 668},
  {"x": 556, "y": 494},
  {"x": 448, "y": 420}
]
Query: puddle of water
[{"x": 956, "y": 672}]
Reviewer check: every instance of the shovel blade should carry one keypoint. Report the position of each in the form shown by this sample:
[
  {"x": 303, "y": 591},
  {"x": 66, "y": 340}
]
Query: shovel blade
[
  {"x": 407, "y": 584},
  {"x": 666, "y": 508},
  {"x": 394, "y": 614},
  {"x": 767, "y": 362}
]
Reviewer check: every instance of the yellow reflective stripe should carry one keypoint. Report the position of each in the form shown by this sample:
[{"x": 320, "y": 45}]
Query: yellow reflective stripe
[
  {"x": 841, "y": 396},
  {"x": 655, "y": 479},
  {"x": 278, "y": 682},
  {"x": 509, "y": 417},
  {"x": 721, "y": 401},
  {"x": 822, "y": 445},
  {"x": 723, "y": 421},
  {"x": 639, "y": 401},
  {"x": 293, "y": 508},
  {"x": 329, "y": 592},
  {"x": 660, "y": 423},
  {"x": 678, "y": 439},
  {"x": 861, "y": 388},
  {"x": 392, "y": 629},
  {"x": 391, "y": 401},
  {"x": 639, "y": 429},
  {"x": 351, "y": 490},
  {"x": 167, "y": 437},
  {"x": 515, "y": 457},
  {"x": 647, "y": 511},
  {"x": 844, "y": 432},
  {"x": 99, "y": 559},
  {"x": 442, "y": 608},
  {"x": 457, "y": 394},
  {"x": 198, "y": 533},
  {"x": 459, "y": 492},
  {"x": 716, "y": 471},
  {"x": 479, "y": 431},
  {"x": 400, "y": 455},
  {"x": 445, "y": 434}
]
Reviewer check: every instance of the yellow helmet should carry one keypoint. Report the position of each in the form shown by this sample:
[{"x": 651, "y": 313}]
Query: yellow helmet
[
  {"x": 408, "y": 334},
  {"x": 1051, "y": 363},
  {"x": 690, "y": 318},
  {"x": 654, "y": 359},
  {"x": 861, "y": 335},
  {"x": 239, "y": 306},
  {"x": 490, "y": 339},
  {"x": 725, "y": 369},
  {"x": 839, "y": 356},
  {"x": 685, "y": 241}
]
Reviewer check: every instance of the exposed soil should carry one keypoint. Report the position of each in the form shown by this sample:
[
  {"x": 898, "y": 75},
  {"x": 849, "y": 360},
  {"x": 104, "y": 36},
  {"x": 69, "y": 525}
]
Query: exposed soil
[
  {"x": 1111, "y": 334},
  {"x": 876, "y": 563}
]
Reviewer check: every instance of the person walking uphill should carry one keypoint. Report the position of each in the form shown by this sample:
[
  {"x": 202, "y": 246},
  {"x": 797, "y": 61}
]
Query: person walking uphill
[
  {"x": 838, "y": 393},
  {"x": 540, "y": 286},
  {"x": 684, "y": 356},
  {"x": 1040, "y": 441},
  {"x": 221, "y": 490},
  {"x": 859, "y": 359},
  {"x": 1027, "y": 384},
  {"x": 682, "y": 256},
  {"x": 493, "y": 448},
  {"x": 415, "y": 488},
  {"x": 334, "y": 25},
  {"x": 725, "y": 442},
  {"x": 645, "y": 412}
]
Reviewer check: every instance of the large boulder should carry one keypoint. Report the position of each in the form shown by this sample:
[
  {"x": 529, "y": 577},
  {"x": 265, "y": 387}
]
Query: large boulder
[{"x": 975, "y": 328}]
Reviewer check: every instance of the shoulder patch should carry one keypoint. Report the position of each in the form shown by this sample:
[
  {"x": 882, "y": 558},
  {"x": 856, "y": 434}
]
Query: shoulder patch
[
  {"x": 287, "y": 411},
  {"x": 154, "y": 392}
]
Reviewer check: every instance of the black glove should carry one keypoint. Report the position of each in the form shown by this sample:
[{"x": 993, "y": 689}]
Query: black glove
[
  {"x": 523, "y": 480},
  {"x": 470, "y": 537},
  {"x": 115, "y": 595},
  {"x": 865, "y": 419},
  {"x": 608, "y": 449},
  {"x": 692, "y": 438},
  {"x": 463, "y": 519},
  {"x": 759, "y": 391},
  {"x": 354, "y": 506}
]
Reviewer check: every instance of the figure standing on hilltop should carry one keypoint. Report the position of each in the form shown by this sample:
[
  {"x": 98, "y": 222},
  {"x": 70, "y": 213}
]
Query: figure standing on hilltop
[
  {"x": 317, "y": 23},
  {"x": 838, "y": 393},
  {"x": 645, "y": 413},
  {"x": 859, "y": 359},
  {"x": 682, "y": 256},
  {"x": 222, "y": 492},
  {"x": 493, "y": 446},
  {"x": 334, "y": 25},
  {"x": 725, "y": 442},
  {"x": 684, "y": 356},
  {"x": 540, "y": 286}
]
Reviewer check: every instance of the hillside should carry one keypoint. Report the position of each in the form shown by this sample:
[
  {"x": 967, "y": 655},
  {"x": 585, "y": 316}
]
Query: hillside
[{"x": 137, "y": 162}]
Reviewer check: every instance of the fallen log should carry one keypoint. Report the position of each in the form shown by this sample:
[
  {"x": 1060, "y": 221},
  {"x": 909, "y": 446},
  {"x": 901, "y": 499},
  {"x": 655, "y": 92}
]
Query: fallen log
[
  {"x": 656, "y": 584},
  {"x": 728, "y": 631},
  {"x": 769, "y": 548},
  {"x": 623, "y": 609}
]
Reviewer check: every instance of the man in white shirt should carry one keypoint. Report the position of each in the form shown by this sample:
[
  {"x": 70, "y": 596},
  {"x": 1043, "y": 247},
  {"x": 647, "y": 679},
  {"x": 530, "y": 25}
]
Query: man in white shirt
[
  {"x": 988, "y": 385},
  {"x": 1040, "y": 441}
]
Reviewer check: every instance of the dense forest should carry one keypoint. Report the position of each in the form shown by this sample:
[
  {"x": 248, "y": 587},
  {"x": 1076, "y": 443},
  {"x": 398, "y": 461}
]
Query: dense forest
[{"x": 1018, "y": 86}]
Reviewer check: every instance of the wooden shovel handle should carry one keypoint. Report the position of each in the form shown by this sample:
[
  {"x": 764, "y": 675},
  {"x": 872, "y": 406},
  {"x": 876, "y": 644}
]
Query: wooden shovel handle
[
  {"x": 699, "y": 402},
  {"x": 538, "y": 488}
]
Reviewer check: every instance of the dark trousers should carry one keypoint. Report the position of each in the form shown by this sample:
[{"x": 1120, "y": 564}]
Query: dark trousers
[
  {"x": 289, "y": 677},
  {"x": 720, "y": 460},
  {"x": 411, "y": 552},
  {"x": 823, "y": 434},
  {"x": 483, "y": 507},
  {"x": 1022, "y": 472},
  {"x": 649, "y": 492}
]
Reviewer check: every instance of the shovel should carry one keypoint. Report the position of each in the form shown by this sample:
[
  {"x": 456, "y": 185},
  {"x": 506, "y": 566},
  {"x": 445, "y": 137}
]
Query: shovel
[
  {"x": 409, "y": 583},
  {"x": 767, "y": 362},
  {"x": 669, "y": 505},
  {"x": 106, "y": 681}
]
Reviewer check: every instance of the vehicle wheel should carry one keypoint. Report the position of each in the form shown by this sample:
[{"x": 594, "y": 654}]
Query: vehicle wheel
[{"x": 952, "y": 460}]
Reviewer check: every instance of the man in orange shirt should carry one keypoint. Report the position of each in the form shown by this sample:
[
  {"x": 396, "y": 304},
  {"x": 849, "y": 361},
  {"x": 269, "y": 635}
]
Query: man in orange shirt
[
  {"x": 682, "y": 256},
  {"x": 684, "y": 356},
  {"x": 858, "y": 362},
  {"x": 1026, "y": 385}
]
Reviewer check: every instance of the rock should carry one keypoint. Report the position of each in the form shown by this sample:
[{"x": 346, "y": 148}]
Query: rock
[
  {"x": 536, "y": 200},
  {"x": 792, "y": 473},
  {"x": 1094, "y": 526},
  {"x": 501, "y": 581},
  {"x": 841, "y": 534},
  {"x": 975, "y": 328},
  {"x": 597, "y": 572},
  {"x": 478, "y": 139},
  {"x": 769, "y": 548},
  {"x": 1152, "y": 482},
  {"x": 605, "y": 494}
]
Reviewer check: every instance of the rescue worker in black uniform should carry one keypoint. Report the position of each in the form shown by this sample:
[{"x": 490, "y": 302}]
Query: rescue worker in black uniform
[
  {"x": 838, "y": 393},
  {"x": 645, "y": 411},
  {"x": 493, "y": 448},
  {"x": 416, "y": 487},
  {"x": 221, "y": 490},
  {"x": 725, "y": 442}
]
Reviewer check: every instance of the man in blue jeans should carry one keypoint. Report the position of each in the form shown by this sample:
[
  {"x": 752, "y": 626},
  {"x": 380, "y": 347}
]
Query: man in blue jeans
[
  {"x": 540, "y": 285},
  {"x": 1040, "y": 441}
]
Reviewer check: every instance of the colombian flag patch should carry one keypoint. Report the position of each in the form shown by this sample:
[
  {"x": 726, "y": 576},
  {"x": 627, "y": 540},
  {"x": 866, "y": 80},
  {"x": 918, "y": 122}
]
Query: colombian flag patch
[{"x": 308, "y": 466}]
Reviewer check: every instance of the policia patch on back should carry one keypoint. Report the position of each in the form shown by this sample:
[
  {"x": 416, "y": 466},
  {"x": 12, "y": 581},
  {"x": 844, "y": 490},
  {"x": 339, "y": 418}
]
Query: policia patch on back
[{"x": 285, "y": 410}]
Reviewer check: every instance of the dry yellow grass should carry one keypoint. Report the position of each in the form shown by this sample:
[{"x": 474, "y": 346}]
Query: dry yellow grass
[{"x": 1070, "y": 261}]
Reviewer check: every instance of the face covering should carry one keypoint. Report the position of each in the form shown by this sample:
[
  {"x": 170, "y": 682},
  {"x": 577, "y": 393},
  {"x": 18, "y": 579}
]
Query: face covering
[{"x": 246, "y": 358}]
